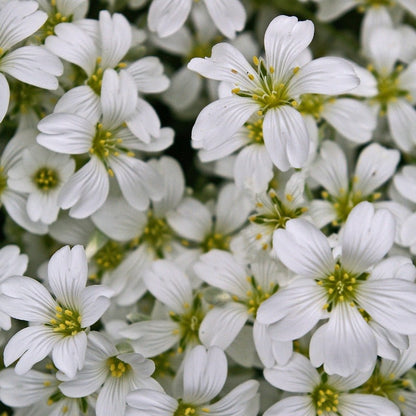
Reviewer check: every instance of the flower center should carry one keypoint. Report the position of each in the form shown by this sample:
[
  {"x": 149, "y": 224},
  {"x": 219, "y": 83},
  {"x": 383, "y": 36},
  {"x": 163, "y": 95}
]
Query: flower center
[
  {"x": 163, "y": 365},
  {"x": 54, "y": 18},
  {"x": 346, "y": 201},
  {"x": 110, "y": 256},
  {"x": 156, "y": 233},
  {"x": 104, "y": 143},
  {"x": 388, "y": 386},
  {"x": 388, "y": 87},
  {"x": 257, "y": 295},
  {"x": 312, "y": 104},
  {"x": 269, "y": 92},
  {"x": 59, "y": 396},
  {"x": 66, "y": 321},
  {"x": 46, "y": 179},
  {"x": 201, "y": 50},
  {"x": 325, "y": 399},
  {"x": 216, "y": 241},
  {"x": 255, "y": 131},
  {"x": 95, "y": 81},
  {"x": 24, "y": 97},
  {"x": 189, "y": 323},
  {"x": 275, "y": 213},
  {"x": 117, "y": 367},
  {"x": 274, "y": 98},
  {"x": 185, "y": 409},
  {"x": 340, "y": 286}
]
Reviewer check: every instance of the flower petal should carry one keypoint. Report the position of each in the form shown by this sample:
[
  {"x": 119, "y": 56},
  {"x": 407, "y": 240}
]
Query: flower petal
[
  {"x": 326, "y": 75},
  {"x": 366, "y": 405},
  {"x": 86, "y": 191},
  {"x": 205, "y": 372},
  {"x": 191, "y": 220},
  {"x": 138, "y": 181},
  {"x": 239, "y": 401},
  {"x": 168, "y": 283},
  {"x": 220, "y": 120},
  {"x": 293, "y": 310},
  {"x": 148, "y": 75},
  {"x": 253, "y": 168},
  {"x": 153, "y": 337},
  {"x": 31, "y": 344},
  {"x": 345, "y": 344},
  {"x": 68, "y": 353},
  {"x": 33, "y": 65},
  {"x": 331, "y": 9},
  {"x": 115, "y": 36},
  {"x": 368, "y": 236},
  {"x": 292, "y": 406},
  {"x": 26, "y": 299},
  {"x": 151, "y": 402},
  {"x": 390, "y": 302},
  {"x": 297, "y": 376},
  {"x": 304, "y": 249},
  {"x": 67, "y": 275},
  {"x": 118, "y": 98},
  {"x": 402, "y": 122},
  {"x": 285, "y": 39},
  {"x": 229, "y": 16},
  {"x": 73, "y": 44},
  {"x": 221, "y": 325},
  {"x": 166, "y": 18},
  {"x": 221, "y": 269},
  {"x": 351, "y": 118},
  {"x": 66, "y": 133},
  {"x": 286, "y": 137},
  {"x": 5, "y": 96},
  {"x": 384, "y": 49},
  {"x": 18, "y": 21}
]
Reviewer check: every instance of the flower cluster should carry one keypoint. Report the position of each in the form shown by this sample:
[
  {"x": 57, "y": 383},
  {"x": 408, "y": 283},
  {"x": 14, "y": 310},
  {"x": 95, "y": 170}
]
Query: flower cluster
[{"x": 215, "y": 208}]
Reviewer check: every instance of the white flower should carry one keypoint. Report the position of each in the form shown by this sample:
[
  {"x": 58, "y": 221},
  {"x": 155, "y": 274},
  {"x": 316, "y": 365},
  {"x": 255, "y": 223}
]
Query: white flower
[
  {"x": 343, "y": 290},
  {"x": 273, "y": 210},
  {"x": 168, "y": 16},
  {"x": 193, "y": 221},
  {"x": 97, "y": 47},
  {"x": 390, "y": 86},
  {"x": 37, "y": 394},
  {"x": 148, "y": 233},
  {"x": 59, "y": 325},
  {"x": 375, "y": 166},
  {"x": 204, "y": 374},
  {"x": 110, "y": 148},
  {"x": 117, "y": 373},
  {"x": 15, "y": 202},
  {"x": 33, "y": 65},
  {"x": 41, "y": 174},
  {"x": 271, "y": 88},
  {"x": 170, "y": 286},
  {"x": 245, "y": 288},
  {"x": 391, "y": 379},
  {"x": 323, "y": 394}
]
